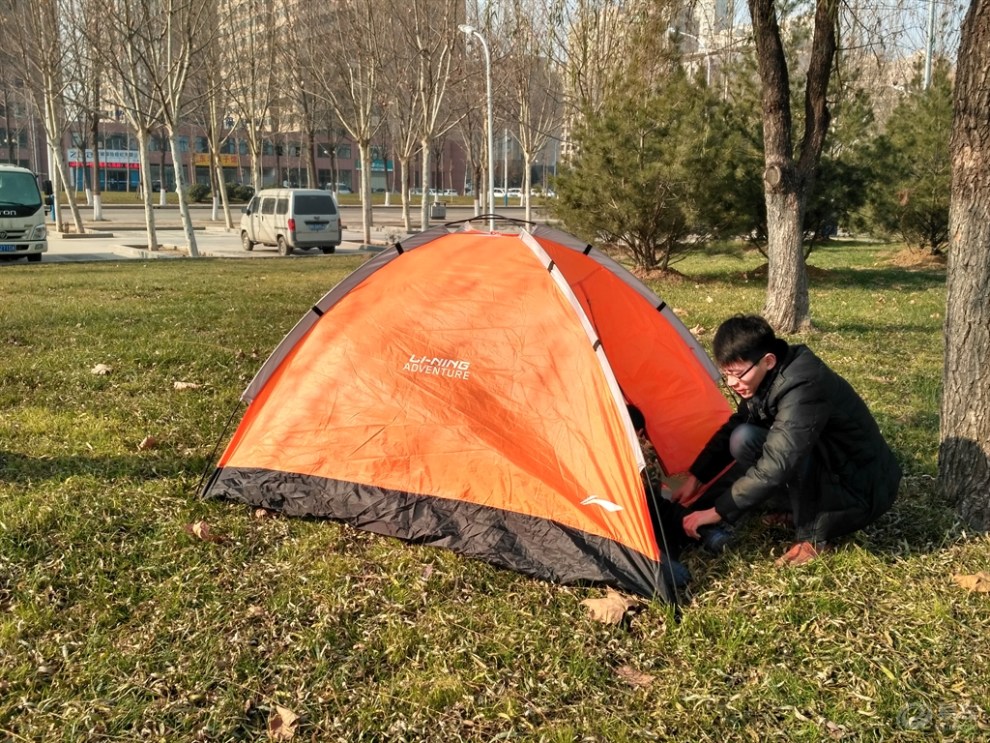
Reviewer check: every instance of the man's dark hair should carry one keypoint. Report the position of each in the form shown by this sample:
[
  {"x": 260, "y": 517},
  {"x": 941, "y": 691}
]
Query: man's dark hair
[{"x": 743, "y": 338}]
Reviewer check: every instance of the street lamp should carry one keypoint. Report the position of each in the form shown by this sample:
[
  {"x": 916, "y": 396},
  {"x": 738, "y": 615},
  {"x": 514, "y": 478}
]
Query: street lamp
[
  {"x": 472, "y": 31},
  {"x": 702, "y": 49}
]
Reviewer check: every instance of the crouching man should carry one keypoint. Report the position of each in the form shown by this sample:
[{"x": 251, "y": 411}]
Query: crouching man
[{"x": 801, "y": 438}]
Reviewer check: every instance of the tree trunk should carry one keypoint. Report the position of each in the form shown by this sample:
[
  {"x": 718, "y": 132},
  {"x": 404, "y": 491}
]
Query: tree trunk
[
  {"x": 424, "y": 208},
  {"x": 187, "y": 225},
  {"x": 527, "y": 184},
  {"x": 964, "y": 451},
  {"x": 311, "y": 178},
  {"x": 224, "y": 198},
  {"x": 97, "y": 191},
  {"x": 54, "y": 133},
  {"x": 404, "y": 188},
  {"x": 786, "y": 306},
  {"x": 149, "y": 212},
  {"x": 163, "y": 183},
  {"x": 366, "y": 215}
]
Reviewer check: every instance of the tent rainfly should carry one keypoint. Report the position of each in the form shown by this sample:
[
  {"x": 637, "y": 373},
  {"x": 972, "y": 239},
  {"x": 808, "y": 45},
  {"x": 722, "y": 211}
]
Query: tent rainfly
[{"x": 468, "y": 389}]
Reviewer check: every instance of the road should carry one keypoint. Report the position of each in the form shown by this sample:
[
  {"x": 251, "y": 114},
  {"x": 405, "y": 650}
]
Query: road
[{"x": 121, "y": 235}]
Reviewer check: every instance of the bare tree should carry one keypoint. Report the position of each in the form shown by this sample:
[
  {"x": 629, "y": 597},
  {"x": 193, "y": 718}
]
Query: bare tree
[
  {"x": 176, "y": 32},
  {"x": 210, "y": 110},
  {"x": 788, "y": 179},
  {"x": 128, "y": 82},
  {"x": 402, "y": 120},
  {"x": 964, "y": 452},
  {"x": 471, "y": 99},
  {"x": 589, "y": 43},
  {"x": 88, "y": 107},
  {"x": 43, "y": 57},
  {"x": 429, "y": 30},
  {"x": 533, "y": 86},
  {"x": 149, "y": 49},
  {"x": 248, "y": 64},
  {"x": 348, "y": 76},
  {"x": 294, "y": 60}
]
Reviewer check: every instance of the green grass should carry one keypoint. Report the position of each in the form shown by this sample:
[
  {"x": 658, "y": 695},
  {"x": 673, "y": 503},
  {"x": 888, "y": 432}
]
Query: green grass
[{"x": 116, "y": 624}]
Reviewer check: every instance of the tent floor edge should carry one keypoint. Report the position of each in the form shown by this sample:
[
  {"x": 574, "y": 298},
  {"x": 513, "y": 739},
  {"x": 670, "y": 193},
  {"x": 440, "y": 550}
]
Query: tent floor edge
[{"x": 537, "y": 547}]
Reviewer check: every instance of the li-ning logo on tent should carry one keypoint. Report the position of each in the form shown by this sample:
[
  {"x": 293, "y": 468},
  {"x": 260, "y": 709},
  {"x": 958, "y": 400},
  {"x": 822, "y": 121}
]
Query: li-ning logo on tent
[
  {"x": 594, "y": 500},
  {"x": 453, "y": 368}
]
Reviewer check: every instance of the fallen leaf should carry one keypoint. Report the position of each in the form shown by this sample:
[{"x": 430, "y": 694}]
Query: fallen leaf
[
  {"x": 263, "y": 513},
  {"x": 836, "y": 731},
  {"x": 201, "y": 530},
  {"x": 611, "y": 609},
  {"x": 698, "y": 330},
  {"x": 633, "y": 677},
  {"x": 255, "y": 611},
  {"x": 979, "y": 582},
  {"x": 282, "y": 723},
  {"x": 100, "y": 370},
  {"x": 148, "y": 442},
  {"x": 185, "y": 386}
]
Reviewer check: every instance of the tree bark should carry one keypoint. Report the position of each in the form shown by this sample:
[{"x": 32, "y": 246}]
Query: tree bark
[
  {"x": 424, "y": 213},
  {"x": 180, "y": 191},
  {"x": 964, "y": 451},
  {"x": 149, "y": 214}
]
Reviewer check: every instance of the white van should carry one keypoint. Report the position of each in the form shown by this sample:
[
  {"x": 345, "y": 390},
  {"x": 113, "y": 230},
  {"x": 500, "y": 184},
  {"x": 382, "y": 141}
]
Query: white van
[
  {"x": 22, "y": 214},
  {"x": 291, "y": 219}
]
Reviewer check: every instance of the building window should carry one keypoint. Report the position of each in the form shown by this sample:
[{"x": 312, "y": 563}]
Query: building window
[
  {"x": 116, "y": 142},
  {"x": 344, "y": 151}
]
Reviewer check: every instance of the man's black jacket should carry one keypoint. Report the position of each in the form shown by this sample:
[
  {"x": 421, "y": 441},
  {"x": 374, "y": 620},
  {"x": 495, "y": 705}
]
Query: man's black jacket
[{"x": 807, "y": 408}]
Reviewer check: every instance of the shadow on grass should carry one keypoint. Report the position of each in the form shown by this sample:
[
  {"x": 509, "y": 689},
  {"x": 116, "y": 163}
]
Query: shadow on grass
[
  {"x": 880, "y": 278},
  {"x": 23, "y": 469},
  {"x": 889, "y": 277},
  {"x": 920, "y": 522}
]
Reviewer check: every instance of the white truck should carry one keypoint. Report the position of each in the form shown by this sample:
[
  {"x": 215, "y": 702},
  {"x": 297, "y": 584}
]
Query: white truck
[{"x": 22, "y": 214}]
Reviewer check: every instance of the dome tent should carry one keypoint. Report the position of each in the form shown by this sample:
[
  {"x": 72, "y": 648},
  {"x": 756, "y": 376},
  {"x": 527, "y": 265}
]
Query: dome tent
[{"x": 468, "y": 389}]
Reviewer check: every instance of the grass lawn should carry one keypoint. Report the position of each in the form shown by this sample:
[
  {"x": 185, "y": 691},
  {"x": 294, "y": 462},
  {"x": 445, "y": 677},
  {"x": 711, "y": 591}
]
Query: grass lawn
[{"x": 117, "y": 624}]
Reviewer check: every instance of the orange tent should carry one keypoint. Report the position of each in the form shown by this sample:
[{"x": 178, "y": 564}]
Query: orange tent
[{"x": 468, "y": 390}]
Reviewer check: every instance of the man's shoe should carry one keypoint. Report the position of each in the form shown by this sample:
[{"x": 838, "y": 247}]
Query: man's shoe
[
  {"x": 801, "y": 553},
  {"x": 715, "y": 539}
]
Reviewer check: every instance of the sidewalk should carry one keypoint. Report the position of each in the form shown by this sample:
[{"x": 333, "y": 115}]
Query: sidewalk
[{"x": 115, "y": 238}]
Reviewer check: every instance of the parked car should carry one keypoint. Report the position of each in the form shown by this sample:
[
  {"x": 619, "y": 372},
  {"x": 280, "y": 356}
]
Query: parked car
[
  {"x": 338, "y": 188},
  {"x": 22, "y": 210},
  {"x": 291, "y": 219}
]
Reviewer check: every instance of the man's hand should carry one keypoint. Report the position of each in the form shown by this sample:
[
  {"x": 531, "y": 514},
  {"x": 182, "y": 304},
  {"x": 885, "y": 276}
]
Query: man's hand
[
  {"x": 688, "y": 488},
  {"x": 694, "y": 521}
]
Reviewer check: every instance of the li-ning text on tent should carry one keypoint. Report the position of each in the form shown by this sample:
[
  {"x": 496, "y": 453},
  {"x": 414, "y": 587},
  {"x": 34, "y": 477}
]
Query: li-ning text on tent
[{"x": 468, "y": 390}]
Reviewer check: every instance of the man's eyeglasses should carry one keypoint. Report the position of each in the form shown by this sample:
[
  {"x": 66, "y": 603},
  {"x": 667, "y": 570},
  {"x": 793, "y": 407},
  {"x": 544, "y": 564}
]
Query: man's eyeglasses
[{"x": 739, "y": 375}]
